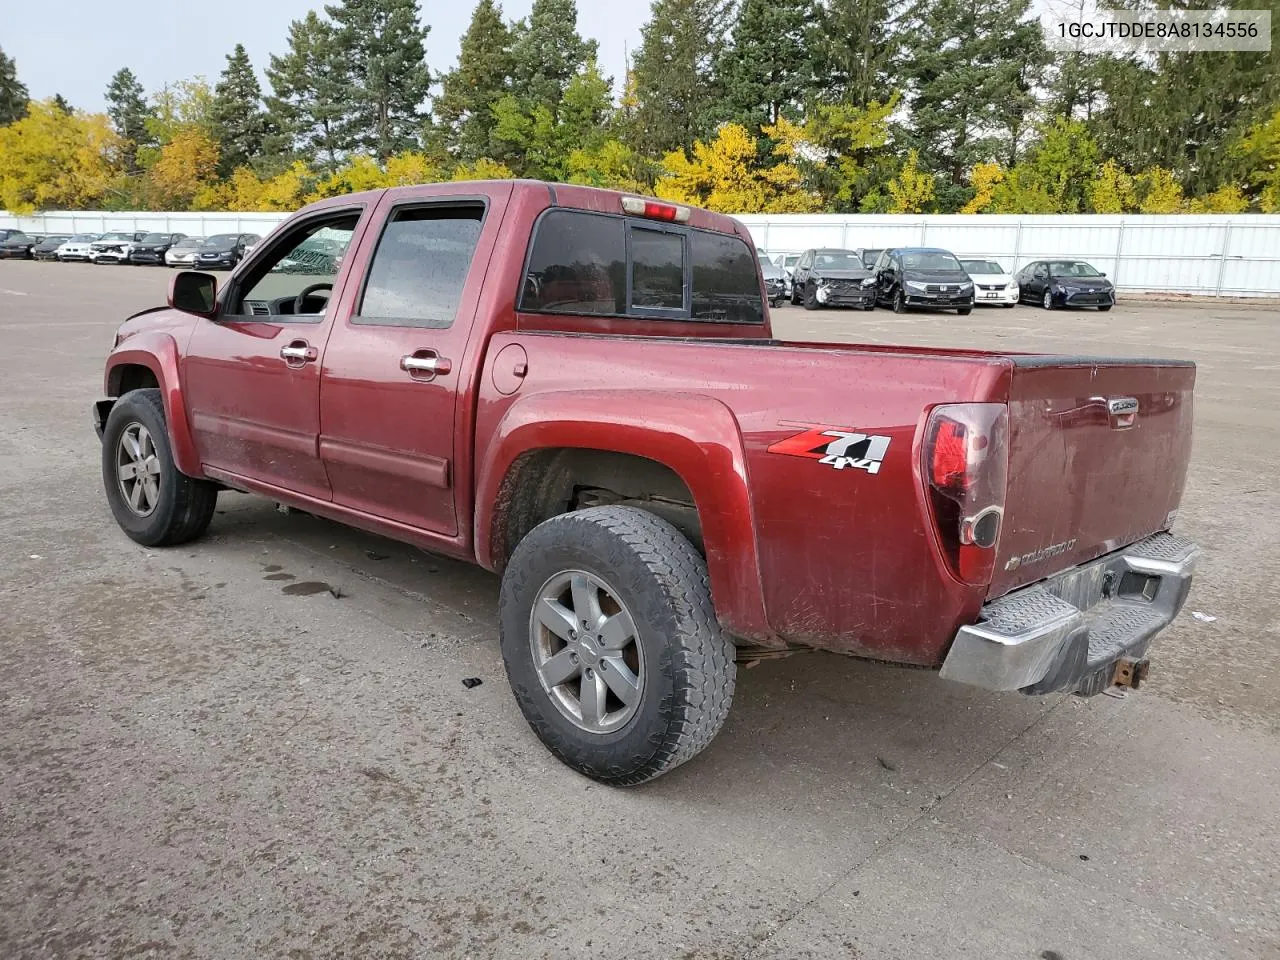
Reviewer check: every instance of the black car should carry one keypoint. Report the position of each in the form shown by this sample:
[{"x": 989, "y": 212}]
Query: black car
[
  {"x": 17, "y": 246},
  {"x": 1065, "y": 283},
  {"x": 47, "y": 248},
  {"x": 152, "y": 247},
  {"x": 775, "y": 280},
  {"x": 223, "y": 250},
  {"x": 833, "y": 278},
  {"x": 926, "y": 277}
]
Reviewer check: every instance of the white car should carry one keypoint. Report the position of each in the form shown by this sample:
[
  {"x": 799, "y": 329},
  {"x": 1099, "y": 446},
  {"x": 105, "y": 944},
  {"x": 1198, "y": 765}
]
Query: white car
[
  {"x": 183, "y": 253},
  {"x": 114, "y": 247},
  {"x": 77, "y": 248},
  {"x": 991, "y": 284},
  {"x": 787, "y": 261}
]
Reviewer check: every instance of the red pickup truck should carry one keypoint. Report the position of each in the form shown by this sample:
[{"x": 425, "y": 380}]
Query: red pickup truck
[{"x": 580, "y": 390}]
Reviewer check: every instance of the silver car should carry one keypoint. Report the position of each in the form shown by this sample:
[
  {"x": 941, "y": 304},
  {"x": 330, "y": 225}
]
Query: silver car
[{"x": 182, "y": 253}]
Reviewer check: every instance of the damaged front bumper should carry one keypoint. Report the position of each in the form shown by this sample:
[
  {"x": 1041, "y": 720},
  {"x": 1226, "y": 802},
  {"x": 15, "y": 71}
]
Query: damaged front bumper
[{"x": 1083, "y": 630}]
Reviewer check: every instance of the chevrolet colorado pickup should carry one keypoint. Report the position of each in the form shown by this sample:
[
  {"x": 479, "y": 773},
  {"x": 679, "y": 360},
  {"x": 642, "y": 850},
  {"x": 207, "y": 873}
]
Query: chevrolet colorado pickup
[{"x": 580, "y": 390}]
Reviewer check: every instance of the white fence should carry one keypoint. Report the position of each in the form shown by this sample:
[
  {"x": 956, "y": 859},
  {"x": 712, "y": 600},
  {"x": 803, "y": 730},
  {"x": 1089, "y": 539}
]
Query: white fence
[{"x": 1209, "y": 255}]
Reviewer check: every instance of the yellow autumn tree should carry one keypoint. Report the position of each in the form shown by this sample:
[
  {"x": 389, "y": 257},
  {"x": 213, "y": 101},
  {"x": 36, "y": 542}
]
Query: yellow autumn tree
[
  {"x": 911, "y": 191},
  {"x": 610, "y": 164},
  {"x": 482, "y": 169},
  {"x": 828, "y": 146},
  {"x": 52, "y": 159},
  {"x": 410, "y": 167},
  {"x": 1260, "y": 151},
  {"x": 1111, "y": 190},
  {"x": 185, "y": 165},
  {"x": 1228, "y": 198},
  {"x": 1159, "y": 191},
  {"x": 985, "y": 178},
  {"x": 725, "y": 175}
]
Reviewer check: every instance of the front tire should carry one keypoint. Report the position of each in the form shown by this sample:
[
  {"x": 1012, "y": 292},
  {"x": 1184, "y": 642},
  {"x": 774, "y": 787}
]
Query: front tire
[
  {"x": 1106, "y": 308},
  {"x": 152, "y": 502},
  {"x": 611, "y": 643},
  {"x": 964, "y": 311},
  {"x": 1047, "y": 302},
  {"x": 811, "y": 298},
  {"x": 899, "y": 302}
]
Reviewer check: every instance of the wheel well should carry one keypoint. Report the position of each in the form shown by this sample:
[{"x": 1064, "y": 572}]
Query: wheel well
[
  {"x": 545, "y": 483},
  {"x": 130, "y": 376}
]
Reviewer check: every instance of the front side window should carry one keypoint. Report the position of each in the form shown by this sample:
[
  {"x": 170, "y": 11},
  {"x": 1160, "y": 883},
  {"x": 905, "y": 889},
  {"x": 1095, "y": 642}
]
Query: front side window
[
  {"x": 657, "y": 270},
  {"x": 307, "y": 261},
  {"x": 420, "y": 266}
]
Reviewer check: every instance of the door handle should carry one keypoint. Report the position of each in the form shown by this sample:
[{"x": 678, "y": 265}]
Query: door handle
[
  {"x": 425, "y": 364},
  {"x": 298, "y": 352}
]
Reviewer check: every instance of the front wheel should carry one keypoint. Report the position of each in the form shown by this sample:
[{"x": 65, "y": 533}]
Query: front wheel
[
  {"x": 964, "y": 311},
  {"x": 611, "y": 643},
  {"x": 899, "y": 302},
  {"x": 811, "y": 298},
  {"x": 154, "y": 504},
  {"x": 1047, "y": 302},
  {"x": 1106, "y": 308}
]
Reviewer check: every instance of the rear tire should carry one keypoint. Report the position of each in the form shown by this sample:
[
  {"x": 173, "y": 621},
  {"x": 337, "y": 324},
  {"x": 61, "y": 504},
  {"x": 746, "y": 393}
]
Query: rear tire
[
  {"x": 170, "y": 508},
  {"x": 639, "y": 567}
]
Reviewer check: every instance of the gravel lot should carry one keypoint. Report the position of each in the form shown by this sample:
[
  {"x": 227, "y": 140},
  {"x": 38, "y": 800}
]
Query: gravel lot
[{"x": 205, "y": 753}]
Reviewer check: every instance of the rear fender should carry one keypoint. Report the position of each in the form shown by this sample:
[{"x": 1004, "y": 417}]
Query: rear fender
[
  {"x": 695, "y": 436},
  {"x": 158, "y": 352}
]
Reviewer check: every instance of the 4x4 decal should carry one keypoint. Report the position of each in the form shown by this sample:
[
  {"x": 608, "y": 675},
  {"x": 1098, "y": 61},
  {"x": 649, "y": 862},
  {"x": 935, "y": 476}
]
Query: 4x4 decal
[{"x": 836, "y": 448}]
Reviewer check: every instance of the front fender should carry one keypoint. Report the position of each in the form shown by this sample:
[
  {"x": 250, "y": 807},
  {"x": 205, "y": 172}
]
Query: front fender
[
  {"x": 158, "y": 352},
  {"x": 695, "y": 436}
]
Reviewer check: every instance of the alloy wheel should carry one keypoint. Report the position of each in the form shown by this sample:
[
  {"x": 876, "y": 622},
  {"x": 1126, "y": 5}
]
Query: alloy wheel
[{"x": 138, "y": 469}]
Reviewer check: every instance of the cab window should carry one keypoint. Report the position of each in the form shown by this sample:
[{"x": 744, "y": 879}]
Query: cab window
[{"x": 305, "y": 260}]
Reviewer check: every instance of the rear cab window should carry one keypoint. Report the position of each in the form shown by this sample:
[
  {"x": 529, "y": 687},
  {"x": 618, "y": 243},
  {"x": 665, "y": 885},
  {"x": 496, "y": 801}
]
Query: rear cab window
[{"x": 600, "y": 264}]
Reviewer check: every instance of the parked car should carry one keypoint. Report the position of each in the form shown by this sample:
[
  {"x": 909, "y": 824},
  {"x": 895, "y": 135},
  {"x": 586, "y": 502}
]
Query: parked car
[
  {"x": 870, "y": 255},
  {"x": 830, "y": 277},
  {"x": 926, "y": 277},
  {"x": 114, "y": 247},
  {"x": 183, "y": 252},
  {"x": 775, "y": 280},
  {"x": 17, "y": 246},
  {"x": 8, "y": 232},
  {"x": 78, "y": 247},
  {"x": 153, "y": 247},
  {"x": 993, "y": 285},
  {"x": 1065, "y": 283},
  {"x": 47, "y": 248},
  {"x": 224, "y": 250},
  {"x": 555, "y": 383},
  {"x": 787, "y": 261}
]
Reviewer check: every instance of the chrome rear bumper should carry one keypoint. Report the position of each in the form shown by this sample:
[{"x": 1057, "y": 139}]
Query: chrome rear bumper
[{"x": 1071, "y": 631}]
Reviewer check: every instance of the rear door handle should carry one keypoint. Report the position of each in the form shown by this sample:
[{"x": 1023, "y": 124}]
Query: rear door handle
[
  {"x": 298, "y": 352},
  {"x": 425, "y": 364}
]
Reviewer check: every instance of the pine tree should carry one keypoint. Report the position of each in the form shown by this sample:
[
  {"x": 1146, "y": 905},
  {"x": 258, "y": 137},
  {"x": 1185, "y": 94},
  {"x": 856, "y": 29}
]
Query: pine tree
[
  {"x": 767, "y": 70},
  {"x": 855, "y": 45},
  {"x": 675, "y": 88},
  {"x": 239, "y": 123},
  {"x": 127, "y": 107},
  {"x": 969, "y": 67},
  {"x": 381, "y": 44},
  {"x": 480, "y": 79},
  {"x": 13, "y": 93},
  {"x": 547, "y": 52},
  {"x": 60, "y": 102},
  {"x": 305, "y": 108}
]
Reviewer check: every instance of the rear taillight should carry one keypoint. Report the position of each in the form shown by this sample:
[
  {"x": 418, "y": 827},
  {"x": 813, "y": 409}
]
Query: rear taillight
[
  {"x": 966, "y": 463},
  {"x": 655, "y": 210}
]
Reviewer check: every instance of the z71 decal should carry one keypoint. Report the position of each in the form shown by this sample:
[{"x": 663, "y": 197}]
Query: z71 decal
[{"x": 836, "y": 448}]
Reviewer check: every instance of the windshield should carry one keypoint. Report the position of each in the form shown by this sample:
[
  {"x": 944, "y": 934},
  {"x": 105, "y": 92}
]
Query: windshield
[
  {"x": 156, "y": 238},
  {"x": 792, "y": 260},
  {"x": 980, "y": 266},
  {"x": 188, "y": 243},
  {"x": 56, "y": 238},
  {"x": 1071, "y": 268},
  {"x": 222, "y": 240},
  {"x": 837, "y": 260},
  {"x": 84, "y": 238},
  {"x": 19, "y": 236},
  {"x": 931, "y": 260},
  {"x": 869, "y": 257},
  {"x": 116, "y": 236}
]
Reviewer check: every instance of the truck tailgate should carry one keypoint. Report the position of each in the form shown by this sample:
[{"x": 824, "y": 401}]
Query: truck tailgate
[{"x": 1089, "y": 473}]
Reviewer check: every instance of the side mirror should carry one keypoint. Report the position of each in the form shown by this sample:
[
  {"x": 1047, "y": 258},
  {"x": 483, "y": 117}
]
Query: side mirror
[
  {"x": 194, "y": 292},
  {"x": 1103, "y": 273}
]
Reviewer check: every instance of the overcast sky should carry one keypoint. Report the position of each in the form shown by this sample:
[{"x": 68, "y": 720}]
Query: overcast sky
[{"x": 73, "y": 48}]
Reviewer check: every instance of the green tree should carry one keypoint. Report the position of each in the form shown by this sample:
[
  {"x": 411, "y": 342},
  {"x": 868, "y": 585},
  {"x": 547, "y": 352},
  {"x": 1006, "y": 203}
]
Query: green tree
[
  {"x": 911, "y": 191},
  {"x": 674, "y": 87},
  {"x": 1064, "y": 163},
  {"x": 855, "y": 48},
  {"x": 766, "y": 72},
  {"x": 481, "y": 78},
  {"x": 538, "y": 141},
  {"x": 547, "y": 52},
  {"x": 178, "y": 106},
  {"x": 382, "y": 47},
  {"x": 969, "y": 67},
  {"x": 306, "y": 103},
  {"x": 60, "y": 102},
  {"x": 13, "y": 92},
  {"x": 839, "y": 150},
  {"x": 127, "y": 107},
  {"x": 238, "y": 119}
]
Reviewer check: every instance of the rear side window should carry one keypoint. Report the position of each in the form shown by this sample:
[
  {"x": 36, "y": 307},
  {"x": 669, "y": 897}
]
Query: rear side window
[
  {"x": 597, "y": 264},
  {"x": 725, "y": 287},
  {"x": 577, "y": 265},
  {"x": 420, "y": 266}
]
